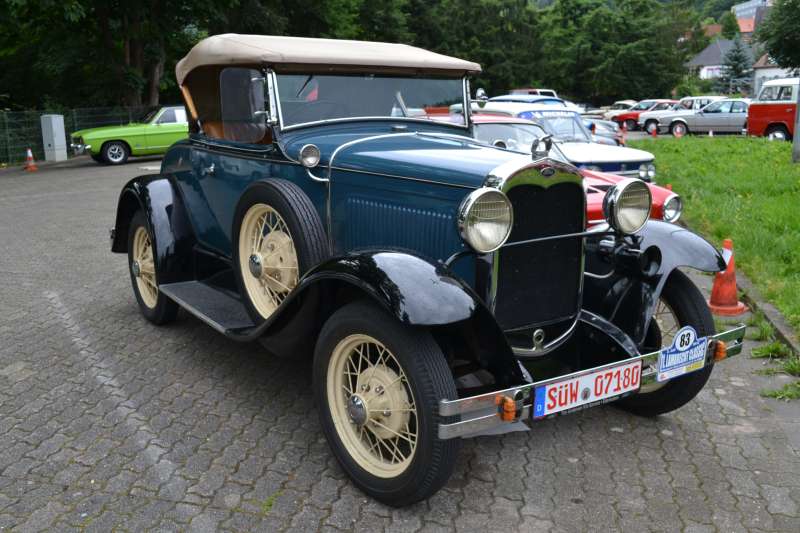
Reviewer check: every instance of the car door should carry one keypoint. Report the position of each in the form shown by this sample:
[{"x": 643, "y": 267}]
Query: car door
[
  {"x": 713, "y": 117},
  {"x": 737, "y": 117},
  {"x": 169, "y": 126}
]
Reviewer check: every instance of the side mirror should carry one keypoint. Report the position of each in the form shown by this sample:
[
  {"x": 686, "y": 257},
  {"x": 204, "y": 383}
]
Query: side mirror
[
  {"x": 480, "y": 94},
  {"x": 541, "y": 147}
]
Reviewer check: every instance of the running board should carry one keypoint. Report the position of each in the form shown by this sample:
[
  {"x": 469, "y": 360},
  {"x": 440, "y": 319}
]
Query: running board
[{"x": 218, "y": 309}]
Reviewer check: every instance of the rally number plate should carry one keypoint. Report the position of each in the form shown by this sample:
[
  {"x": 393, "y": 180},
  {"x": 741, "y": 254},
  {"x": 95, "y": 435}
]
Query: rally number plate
[{"x": 589, "y": 388}]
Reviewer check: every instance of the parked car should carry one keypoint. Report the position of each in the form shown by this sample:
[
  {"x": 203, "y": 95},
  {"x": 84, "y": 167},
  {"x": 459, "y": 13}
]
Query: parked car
[
  {"x": 520, "y": 135},
  {"x": 577, "y": 143},
  {"x": 445, "y": 287},
  {"x": 773, "y": 113},
  {"x": 617, "y": 108},
  {"x": 630, "y": 117},
  {"x": 723, "y": 116},
  {"x": 655, "y": 120},
  {"x": 153, "y": 134},
  {"x": 528, "y": 90},
  {"x": 604, "y": 131},
  {"x": 535, "y": 99}
]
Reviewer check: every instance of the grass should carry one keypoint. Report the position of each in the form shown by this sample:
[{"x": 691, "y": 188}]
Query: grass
[
  {"x": 759, "y": 328},
  {"x": 746, "y": 189},
  {"x": 790, "y": 391},
  {"x": 772, "y": 350},
  {"x": 266, "y": 505}
]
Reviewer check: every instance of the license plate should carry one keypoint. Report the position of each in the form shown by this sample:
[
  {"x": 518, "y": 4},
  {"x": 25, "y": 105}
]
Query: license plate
[{"x": 588, "y": 388}]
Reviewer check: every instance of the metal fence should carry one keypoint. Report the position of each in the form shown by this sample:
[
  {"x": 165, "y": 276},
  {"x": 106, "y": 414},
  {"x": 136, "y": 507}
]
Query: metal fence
[{"x": 20, "y": 130}]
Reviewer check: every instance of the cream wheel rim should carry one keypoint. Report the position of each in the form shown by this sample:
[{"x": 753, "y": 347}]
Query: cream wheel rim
[
  {"x": 668, "y": 325},
  {"x": 267, "y": 258},
  {"x": 143, "y": 267},
  {"x": 372, "y": 406}
]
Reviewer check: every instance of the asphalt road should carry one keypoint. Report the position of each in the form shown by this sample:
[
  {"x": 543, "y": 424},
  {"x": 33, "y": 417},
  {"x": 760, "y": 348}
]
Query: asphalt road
[{"x": 108, "y": 422}]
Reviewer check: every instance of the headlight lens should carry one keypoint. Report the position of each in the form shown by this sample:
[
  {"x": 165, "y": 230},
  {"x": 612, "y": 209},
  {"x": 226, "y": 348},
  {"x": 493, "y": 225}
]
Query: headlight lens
[
  {"x": 643, "y": 171},
  {"x": 651, "y": 171},
  {"x": 485, "y": 219},
  {"x": 627, "y": 205},
  {"x": 673, "y": 208},
  {"x": 309, "y": 156}
]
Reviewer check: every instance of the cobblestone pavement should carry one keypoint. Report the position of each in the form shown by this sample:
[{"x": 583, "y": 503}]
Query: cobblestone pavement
[{"x": 108, "y": 422}]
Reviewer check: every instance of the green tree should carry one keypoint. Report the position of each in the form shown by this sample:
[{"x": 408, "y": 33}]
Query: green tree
[
  {"x": 780, "y": 33},
  {"x": 737, "y": 71},
  {"x": 730, "y": 26}
]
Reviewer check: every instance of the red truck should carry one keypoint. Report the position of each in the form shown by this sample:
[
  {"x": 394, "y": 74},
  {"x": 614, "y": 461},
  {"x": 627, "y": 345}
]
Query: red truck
[{"x": 773, "y": 113}]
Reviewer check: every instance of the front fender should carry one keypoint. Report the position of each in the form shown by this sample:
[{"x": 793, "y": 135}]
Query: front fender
[
  {"x": 628, "y": 298},
  {"x": 164, "y": 211},
  {"x": 416, "y": 291}
]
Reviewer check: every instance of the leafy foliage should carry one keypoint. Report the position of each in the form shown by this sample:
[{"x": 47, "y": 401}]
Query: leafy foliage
[
  {"x": 108, "y": 52},
  {"x": 780, "y": 33},
  {"x": 730, "y": 27}
]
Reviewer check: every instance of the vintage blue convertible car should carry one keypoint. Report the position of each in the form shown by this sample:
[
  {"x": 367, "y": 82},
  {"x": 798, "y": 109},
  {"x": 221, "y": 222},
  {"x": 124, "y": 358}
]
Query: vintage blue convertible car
[{"x": 446, "y": 288}]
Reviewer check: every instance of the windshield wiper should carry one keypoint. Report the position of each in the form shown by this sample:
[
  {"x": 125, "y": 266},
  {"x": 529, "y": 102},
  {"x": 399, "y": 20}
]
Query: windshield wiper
[{"x": 305, "y": 83}]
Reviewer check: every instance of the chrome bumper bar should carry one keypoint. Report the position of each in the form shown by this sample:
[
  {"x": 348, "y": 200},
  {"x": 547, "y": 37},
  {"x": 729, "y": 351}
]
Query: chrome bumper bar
[
  {"x": 80, "y": 149},
  {"x": 484, "y": 412}
]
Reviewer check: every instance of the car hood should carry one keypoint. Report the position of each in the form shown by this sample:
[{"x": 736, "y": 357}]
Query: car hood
[
  {"x": 432, "y": 154},
  {"x": 593, "y": 153},
  {"x": 106, "y": 131}
]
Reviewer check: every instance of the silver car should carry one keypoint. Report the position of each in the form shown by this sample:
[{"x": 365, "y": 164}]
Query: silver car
[
  {"x": 723, "y": 116},
  {"x": 650, "y": 120}
]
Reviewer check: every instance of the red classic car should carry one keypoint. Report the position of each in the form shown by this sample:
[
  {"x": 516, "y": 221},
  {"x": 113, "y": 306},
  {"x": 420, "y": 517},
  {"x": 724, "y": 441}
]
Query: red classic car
[
  {"x": 773, "y": 113},
  {"x": 517, "y": 134},
  {"x": 631, "y": 117}
]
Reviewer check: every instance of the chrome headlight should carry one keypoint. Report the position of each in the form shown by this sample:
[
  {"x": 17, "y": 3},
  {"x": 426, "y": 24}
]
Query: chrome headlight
[
  {"x": 485, "y": 219},
  {"x": 673, "y": 208},
  {"x": 651, "y": 171},
  {"x": 643, "y": 171},
  {"x": 627, "y": 205},
  {"x": 309, "y": 156}
]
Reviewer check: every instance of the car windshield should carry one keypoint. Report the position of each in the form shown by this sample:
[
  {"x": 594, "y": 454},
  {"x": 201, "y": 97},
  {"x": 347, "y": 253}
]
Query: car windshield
[
  {"x": 517, "y": 137},
  {"x": 148, "y": 115},
  {"x": 307, "y": 98},
  {"x": 562, "y": 125},
  {"x": 642, "y": 106}
]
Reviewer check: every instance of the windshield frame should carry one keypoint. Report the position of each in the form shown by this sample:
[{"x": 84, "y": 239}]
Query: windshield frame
[{"x": 275, "y": 109}]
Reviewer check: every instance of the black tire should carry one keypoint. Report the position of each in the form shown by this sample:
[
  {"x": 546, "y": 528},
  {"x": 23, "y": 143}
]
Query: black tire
[
  {"x": 630, "y": 124},
  {"x": 777, "y": 130},
  {"x": 164, "y": 310},
  {"x": 115, "y": 152},
  {"x": 97, "y": 158},
  {"x": 306, "y": 229},
  {"x": 690, "y": 308},
  {"x": 651, "y": 125},
  {"x": 429, "y": 379},
  {"x": 675, "y": 125}
]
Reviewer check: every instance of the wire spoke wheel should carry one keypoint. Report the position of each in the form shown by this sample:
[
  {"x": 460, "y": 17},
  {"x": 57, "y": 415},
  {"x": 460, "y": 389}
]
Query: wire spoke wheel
[
  {"x": 143, "y": 267},
  {"x": 668, "y": 325},
  {"x": 372, "y": 406},
  {"x": 269, "y": 265}
]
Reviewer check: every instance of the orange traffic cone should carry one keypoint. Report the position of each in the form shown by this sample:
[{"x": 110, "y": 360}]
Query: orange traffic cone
[
  {"x": 724, "y": 299},
  {"x": 654, "y": 133},
  {"x": 30, "y": 164}
]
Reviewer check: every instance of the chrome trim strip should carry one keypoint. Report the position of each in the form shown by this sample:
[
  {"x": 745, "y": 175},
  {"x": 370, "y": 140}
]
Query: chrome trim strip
[
  {"x": 315, "y": 178},
  {"x": 479, "y": 412},
  {"x": 550, "y": 346}
]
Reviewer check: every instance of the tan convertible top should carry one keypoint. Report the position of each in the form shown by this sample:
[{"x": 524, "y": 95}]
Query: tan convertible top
[{"x": 235, "y": 49}]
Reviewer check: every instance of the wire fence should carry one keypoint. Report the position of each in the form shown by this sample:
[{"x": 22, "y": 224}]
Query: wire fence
[{"x": 20, "y": 130}]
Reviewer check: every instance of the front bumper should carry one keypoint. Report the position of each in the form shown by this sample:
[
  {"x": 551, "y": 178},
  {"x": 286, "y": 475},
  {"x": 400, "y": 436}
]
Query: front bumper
[
  {"x": 80, "y": 149},
  {"x": 485, "y": 412}
]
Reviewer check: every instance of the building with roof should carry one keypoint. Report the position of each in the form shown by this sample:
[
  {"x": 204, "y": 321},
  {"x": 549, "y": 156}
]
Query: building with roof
[
  {"x": 765, "y": 70},
  {"x": 708, "y": 64},
  {"x": 747, "y": 10}
]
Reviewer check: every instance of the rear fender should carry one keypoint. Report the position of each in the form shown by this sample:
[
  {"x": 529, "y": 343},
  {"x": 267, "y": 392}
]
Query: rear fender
[
  {"x": 164, "y": 211},
  {"x": 628, "y": 298}
]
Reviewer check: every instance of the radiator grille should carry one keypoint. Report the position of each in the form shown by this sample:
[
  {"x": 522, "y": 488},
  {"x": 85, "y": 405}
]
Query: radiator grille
[{"x": 539, "y": 283}]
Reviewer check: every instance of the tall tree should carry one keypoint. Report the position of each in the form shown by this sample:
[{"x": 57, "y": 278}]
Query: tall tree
[
  {"x": 737, "y": 70},
  {"x": 730, "y": 26}
]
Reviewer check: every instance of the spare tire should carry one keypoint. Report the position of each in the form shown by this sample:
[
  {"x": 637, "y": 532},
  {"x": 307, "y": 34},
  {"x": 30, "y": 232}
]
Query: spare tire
[{"x": 277, "y": 237}]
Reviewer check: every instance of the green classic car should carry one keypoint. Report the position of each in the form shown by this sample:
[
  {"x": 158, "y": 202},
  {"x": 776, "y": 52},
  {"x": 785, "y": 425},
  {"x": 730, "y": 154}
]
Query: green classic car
[{"x": 156, "y": 132}]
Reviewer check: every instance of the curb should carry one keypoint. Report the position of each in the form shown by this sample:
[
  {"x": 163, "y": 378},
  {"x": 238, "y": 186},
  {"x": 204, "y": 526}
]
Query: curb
[
  {"x": 17, "y": 168},
  {"x": 752, "y": 296}
]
